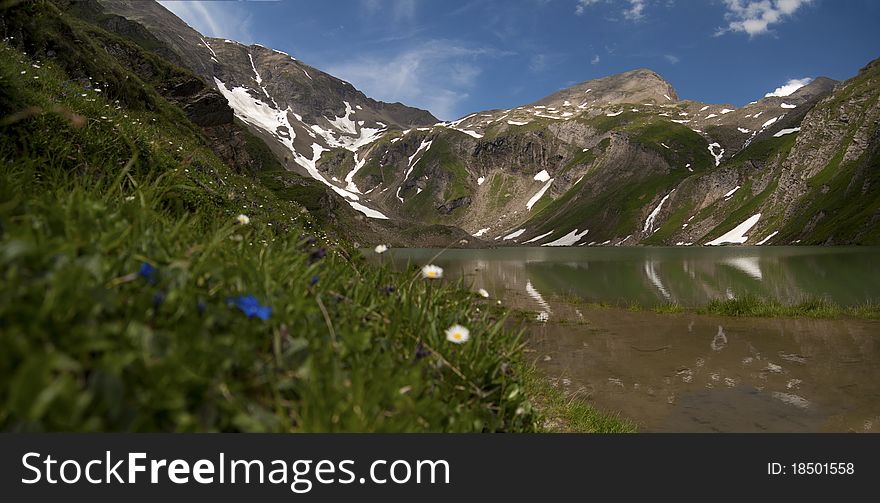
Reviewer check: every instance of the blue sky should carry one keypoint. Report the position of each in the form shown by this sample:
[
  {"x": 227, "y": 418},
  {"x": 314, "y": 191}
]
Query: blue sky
[{"x": 455, "y": 57}]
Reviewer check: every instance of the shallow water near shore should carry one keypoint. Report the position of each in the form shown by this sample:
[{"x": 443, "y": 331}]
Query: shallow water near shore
[{"x": 688, "y": 372}]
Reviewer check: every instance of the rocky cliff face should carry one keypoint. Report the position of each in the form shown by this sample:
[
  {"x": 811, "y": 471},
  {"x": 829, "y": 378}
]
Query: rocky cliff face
[{"x": 616, "y": 160}]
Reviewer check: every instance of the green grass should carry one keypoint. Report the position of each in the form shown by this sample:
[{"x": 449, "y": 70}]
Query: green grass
[
  {"x": 90, "y": 345},
  {"x": 561, "y": 412},
  {"x": 747, "y": 306},
  {"x": 668, "y": 308},
  {"x": 812, "y": 308}
]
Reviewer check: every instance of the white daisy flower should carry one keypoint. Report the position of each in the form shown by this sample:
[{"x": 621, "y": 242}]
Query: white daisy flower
[
  {"x": 243, "y": 219},
  {"x": 432, "y": 272},
  {"x": 380, "y": 249},
  {"x": 483, "y": 293},
  {"x": 457, "y": 334}
]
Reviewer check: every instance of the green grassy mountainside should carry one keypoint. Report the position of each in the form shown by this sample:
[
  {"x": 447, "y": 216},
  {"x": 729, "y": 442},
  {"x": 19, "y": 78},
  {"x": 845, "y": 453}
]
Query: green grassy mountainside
[{"x": 136, "y": 298}]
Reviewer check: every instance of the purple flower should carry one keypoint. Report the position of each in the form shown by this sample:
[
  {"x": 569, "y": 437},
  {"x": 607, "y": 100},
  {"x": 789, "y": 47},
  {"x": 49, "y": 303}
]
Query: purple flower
[
  {"x": 250, "y": 306},
  {"x": 315, "y": 280}
]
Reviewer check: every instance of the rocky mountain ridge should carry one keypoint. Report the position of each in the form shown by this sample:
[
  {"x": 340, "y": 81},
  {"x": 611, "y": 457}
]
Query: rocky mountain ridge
[{"x": 615, "y": 160}]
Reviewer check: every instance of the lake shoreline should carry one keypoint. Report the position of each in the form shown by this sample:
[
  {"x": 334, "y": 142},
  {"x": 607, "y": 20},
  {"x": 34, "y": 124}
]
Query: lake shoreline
[{"x": 753, "y": 307}]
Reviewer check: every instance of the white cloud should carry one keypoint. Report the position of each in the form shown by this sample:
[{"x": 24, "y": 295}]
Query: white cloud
[
  {"x": 595, "y": 60},
  {"x": 214, "y": 19},
  {"x": 789, "y": 87},
  {"x": 436, "y": 75},
  {"x": 633, "y": 12},
  {"x": 583, "y": 4},
  {"x": 756, "y": 16},
  {"x": 673, "y": 59}
]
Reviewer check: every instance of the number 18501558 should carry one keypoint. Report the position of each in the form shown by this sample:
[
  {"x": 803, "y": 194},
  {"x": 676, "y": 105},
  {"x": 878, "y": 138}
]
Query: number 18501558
[{"x": 819, "y": 468}]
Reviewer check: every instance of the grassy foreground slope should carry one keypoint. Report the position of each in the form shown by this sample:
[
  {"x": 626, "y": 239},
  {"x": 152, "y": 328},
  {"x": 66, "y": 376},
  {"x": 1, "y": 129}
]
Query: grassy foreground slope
[{"x": 126, "y": 279}]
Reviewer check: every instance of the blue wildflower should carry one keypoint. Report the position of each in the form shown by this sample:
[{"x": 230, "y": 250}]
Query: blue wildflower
[
  {"x": 422, "y": 351},
  {"x": 317, "y": 255},
  {"x": 201, "y": 307},
  {"x": 250, "y": 306},
  {"x": 315, "y": 279},
  {"x": 148, "y": 272},
  {"x": 158, "y": 299}
]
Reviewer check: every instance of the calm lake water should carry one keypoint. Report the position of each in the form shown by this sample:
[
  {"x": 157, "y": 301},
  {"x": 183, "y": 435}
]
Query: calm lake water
[{"x": 689, "y": 372}]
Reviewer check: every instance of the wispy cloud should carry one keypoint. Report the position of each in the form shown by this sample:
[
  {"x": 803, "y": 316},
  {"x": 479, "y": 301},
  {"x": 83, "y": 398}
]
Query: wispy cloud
[
  {"x": 633, "y": 10},
  {"x": 595, "y": 60},
  {"x": 756, "y": 16},
  {"x": 437, "y": 75},
  {"x": 214, "y": 19},
  {"x": 581, "y": 6},
  {"x": 543, "y": 61},
  {"x": 394, "y": 10},
  {"x": 789, "y": 87},
  {"x": 671, "y": 58}
]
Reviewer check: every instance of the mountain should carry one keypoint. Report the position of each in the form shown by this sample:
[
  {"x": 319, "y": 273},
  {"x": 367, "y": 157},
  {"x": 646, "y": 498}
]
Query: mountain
[
  {"x": 616, "y": 160},
  {"x": 299, "y": 112}
]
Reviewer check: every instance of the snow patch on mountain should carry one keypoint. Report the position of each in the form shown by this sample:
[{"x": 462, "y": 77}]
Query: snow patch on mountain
[
  {"x": 514, "y": 235},
  {"x": 649, "y": 222},
  {"x": 534, "y": 199},
  {"x": 275, "y": 122},
  {"x": 737, "y": 234},
  {"x": 783, "y": 132},
  {"x": 206, "y": 44},
  {"x": 768, "y": 238},
  {"x": 732, "y": 192},
  {"x": 769, "y": 122},
  {"x": 538, "y": 238},
  {"x": 423, "y": 148},
  {"x": 569, "y": 239},
  {"x": 349, "y": 178},
  {"x": 469, "y": 132},
  {"x": 712, "y": 147},
  {"x": 344, "y": 123}
]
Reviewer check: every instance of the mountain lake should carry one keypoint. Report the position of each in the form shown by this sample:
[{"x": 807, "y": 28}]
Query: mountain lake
[{"x": 689, "y": 372}]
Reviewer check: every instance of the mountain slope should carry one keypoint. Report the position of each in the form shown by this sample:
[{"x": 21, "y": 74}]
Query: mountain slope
[
  {"x": 300, "y": 111},
  {"x": 615, "y": 160}
]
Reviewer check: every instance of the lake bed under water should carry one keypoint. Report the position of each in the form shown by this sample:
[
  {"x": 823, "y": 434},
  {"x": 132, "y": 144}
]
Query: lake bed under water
[{"x": 687, "y": 372}]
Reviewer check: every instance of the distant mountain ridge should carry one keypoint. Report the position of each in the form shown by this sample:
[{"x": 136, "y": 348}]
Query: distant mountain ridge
[{"x": 610, "y": 161}]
